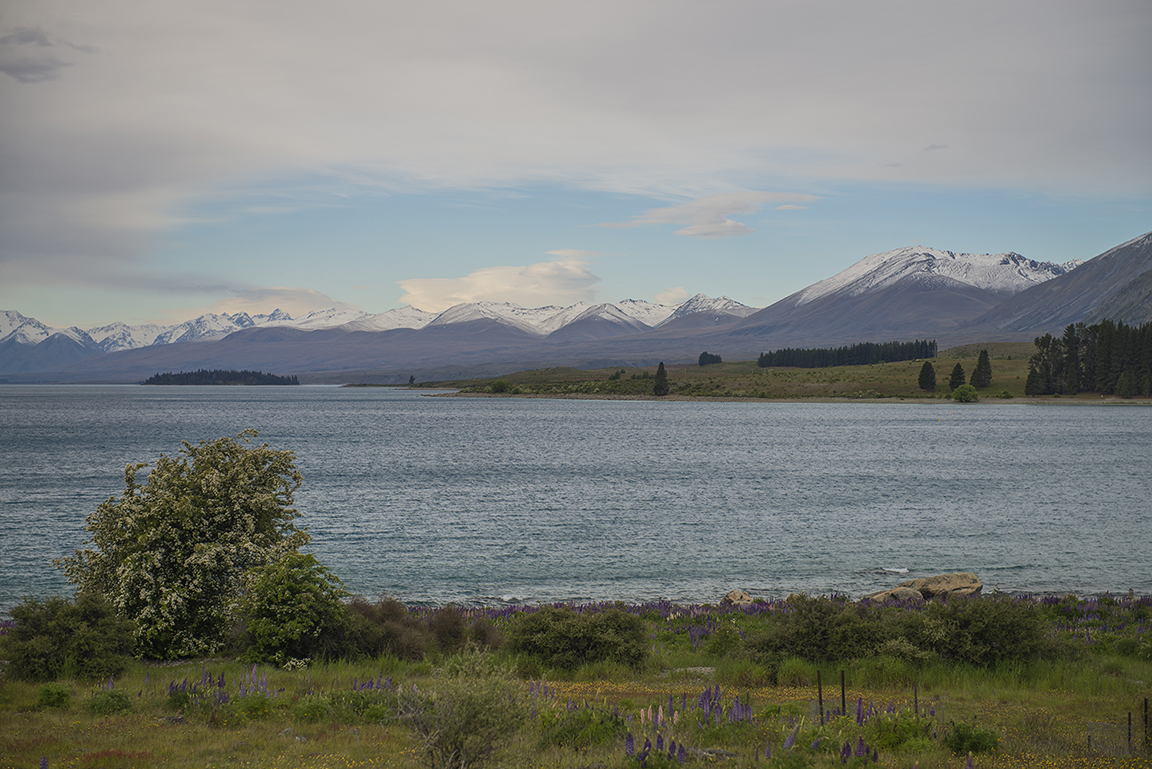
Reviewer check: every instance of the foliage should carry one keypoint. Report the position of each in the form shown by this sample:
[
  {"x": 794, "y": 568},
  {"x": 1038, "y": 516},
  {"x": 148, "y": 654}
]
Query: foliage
[
  {"x": 956, "y": 379},
  {"x": 965, "y": 394},
  {"x": 291, "y": 606},
  {"x": 172, "y": 554},
  {"x": 982, "y": 630},
  {"x": 1107, "y": 357},
  {"x": 818, "y": 629},
  {"x": 707, "y": 359},
  {"x": 383, "y": 627},
  {"x": 109, "y": 701},
  {"x": 499, "y": 386},
  {"x": 463, "y": 722},
  {"x": 660, "y": 386},
  {"x": 563, "y": 638},
  {"x": 220, "y": 377},
  {"x": 75, "y": 638},
  {"x": 963, "y": 738},
  {"x": 853, "y": 355},
  {"x": 982, "y": 374},
  {"x": 927, "y": 380},
  {"x": 54, "y": 696}
]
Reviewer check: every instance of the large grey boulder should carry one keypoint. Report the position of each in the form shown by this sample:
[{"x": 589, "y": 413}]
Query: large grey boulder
[
  {"x": 736, "y": 598},
  {"x": 896, "y": 594}
]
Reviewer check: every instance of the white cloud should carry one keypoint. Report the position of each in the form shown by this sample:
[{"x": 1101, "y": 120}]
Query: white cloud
[
  {"x": 105, "y": 151},
  {"x": 672, "y": 295},
  {"x": 791, "y": 208},
  {"x": 707, "y": 217},
  {"x": 562, "y": 282},
  {"x": 261, "y": 301},
  {"x": 575, "y": 253}
]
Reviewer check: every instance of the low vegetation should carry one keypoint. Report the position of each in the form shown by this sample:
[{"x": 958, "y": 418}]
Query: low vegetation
[
  {"x": 746, "y": 380},
  {"x": 1009, "y": 681}
]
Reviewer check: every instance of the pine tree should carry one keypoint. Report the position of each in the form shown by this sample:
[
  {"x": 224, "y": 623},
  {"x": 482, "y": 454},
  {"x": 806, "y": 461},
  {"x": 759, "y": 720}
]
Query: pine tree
[
  {"x": 982, "y": 374},
  {"x": 660, "y": 387},
  {"x": 957, "y": 377},
  {"x": 927, "y": 377}
]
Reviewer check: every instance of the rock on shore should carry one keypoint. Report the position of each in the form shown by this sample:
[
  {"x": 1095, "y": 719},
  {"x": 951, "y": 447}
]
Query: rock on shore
[{"x": 959, "y": 583}]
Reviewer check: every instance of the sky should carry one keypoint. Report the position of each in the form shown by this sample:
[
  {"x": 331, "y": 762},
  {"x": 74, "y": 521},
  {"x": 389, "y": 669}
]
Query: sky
[{"x": 166, "y": 159}]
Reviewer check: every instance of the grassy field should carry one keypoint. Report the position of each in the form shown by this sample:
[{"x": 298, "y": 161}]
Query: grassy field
[
  {"x": 744, "y": 380},
  {"x": 1067, "y": 712}
]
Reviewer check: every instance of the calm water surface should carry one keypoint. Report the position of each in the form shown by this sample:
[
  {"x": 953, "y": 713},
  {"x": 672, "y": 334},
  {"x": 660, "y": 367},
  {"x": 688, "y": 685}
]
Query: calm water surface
[{"x": 489, "y": 500}]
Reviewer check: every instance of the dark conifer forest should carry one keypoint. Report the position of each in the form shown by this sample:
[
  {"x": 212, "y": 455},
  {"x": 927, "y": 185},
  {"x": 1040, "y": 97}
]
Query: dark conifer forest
[
  {"x": 864, "y": 354},
  {"x": 1108, "y": 357},
  {"x": 220, "y": 377}
]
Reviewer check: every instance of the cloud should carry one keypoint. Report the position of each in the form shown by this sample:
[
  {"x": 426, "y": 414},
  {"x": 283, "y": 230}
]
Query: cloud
[
  {"x": 707, "y": 217},
  {"x": 672, "y": 295},
  {"x": 562, "y": 282},
  {"x": 791, "y": 208},
  {"x": 191, "y": 102},
  {"x": 575, "y": 253},
  {"x": 29, "y": 64},
  {"x": 263, "y": 300}
]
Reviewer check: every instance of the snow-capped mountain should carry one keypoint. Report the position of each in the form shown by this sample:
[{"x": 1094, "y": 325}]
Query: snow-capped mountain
[
  {"x": 120, "y": 336},
  {"x": 1007, "y": 273},
  {"x": 21, "y": 329},
  {"x": 702, "y": 303},
  {"x": 400, "y": 317}
]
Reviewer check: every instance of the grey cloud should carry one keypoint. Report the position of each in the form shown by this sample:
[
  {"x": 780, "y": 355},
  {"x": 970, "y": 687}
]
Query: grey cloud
[
  {"x": 26, "y": 36},
  {"x": 21, "y": 56}
]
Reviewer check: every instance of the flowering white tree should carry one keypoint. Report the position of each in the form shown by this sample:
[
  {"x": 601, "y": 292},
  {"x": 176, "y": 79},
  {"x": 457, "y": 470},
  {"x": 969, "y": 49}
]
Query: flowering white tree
[{"x": 171, "y": 554}]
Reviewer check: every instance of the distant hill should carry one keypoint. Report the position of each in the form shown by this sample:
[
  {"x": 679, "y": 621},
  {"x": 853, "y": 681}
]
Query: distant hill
[
  {"x": 1119, "y": 274},
  {"x": 910, "y": 293}
]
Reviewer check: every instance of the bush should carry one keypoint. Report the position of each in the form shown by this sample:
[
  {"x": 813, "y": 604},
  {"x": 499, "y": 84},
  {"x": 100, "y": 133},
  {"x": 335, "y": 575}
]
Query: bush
[
  {"x": 499, "y": 386},
  {"x": 465, "y": 721},
  {"x": 55, "y": 696},
  {"x": 292, "y": 606},
  {"x": 818, "y": 629},
  {"x": 965, "y": 394},
  {"x": 106, "y": 703},
  {"x": 172, "y": 554},
  {"x": 982, "y": 631},
  {"x": 964, "y": 738},
  {"x": 383, "y": 627},
  {"x": 563, "y": 638},
  {"x": 80, "y": 638}
]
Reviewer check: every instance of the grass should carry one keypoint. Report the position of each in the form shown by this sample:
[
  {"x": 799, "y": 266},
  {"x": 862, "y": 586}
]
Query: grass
[
  {"x": 1068, "y": 711},
  {"x": 744, "y": 380}
]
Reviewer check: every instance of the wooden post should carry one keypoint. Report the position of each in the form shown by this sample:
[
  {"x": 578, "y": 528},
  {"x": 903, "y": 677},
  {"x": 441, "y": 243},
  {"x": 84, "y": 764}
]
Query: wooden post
[{"x": 820, "y": 695}]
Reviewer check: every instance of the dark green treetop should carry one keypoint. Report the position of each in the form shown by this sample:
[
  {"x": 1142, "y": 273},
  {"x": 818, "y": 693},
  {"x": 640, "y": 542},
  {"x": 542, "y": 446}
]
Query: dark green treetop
[
  {"x": 982, "y": 374},
  {"x": 927, "y": 377},
  {"x": 957, "y": 377},
  {"x": 660, "y": 386}
]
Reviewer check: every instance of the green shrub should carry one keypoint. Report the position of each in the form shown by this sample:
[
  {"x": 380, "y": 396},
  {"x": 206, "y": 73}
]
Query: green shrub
[
  {"x": 292, "y": 606},
  {"x": 110, "y": 701},
  {"x": 582, "y": 728},
  {"x": 313, "y": 708},
  {"x": 54, "y": 696},
  {"x": 448, "y": 628},
  {"x": 76, "y": 638},
  {"x": 964, "y": 738},
  {"x": 965, "y": 394},
  {"x": 499, "y": 386},
  {"x": 465, "y": 721},
  {"x": 818, "y": 629},
  {"x": 384, "y": 627},
  {"x": 563, "y": 638},
  {"x": 982, "y": 631}
]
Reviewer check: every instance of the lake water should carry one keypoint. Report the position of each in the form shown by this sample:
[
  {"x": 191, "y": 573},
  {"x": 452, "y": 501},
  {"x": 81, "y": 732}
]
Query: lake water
[{"x": 434, "y": 499}]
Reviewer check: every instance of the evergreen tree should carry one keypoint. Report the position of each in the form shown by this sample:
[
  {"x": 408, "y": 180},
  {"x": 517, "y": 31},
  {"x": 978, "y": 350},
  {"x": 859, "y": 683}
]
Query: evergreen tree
[
  {"x": 660, "y": 387},
  {"x": 982, "y": 374},
  {"x": 927, "y": 377},
  {"x": 957, "y": 377}
]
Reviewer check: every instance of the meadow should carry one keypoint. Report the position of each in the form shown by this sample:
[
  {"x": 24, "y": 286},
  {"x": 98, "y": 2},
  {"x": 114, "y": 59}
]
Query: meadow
[
  {"x": 821, "y": 682},
  {"x": 744, "y": 380}
]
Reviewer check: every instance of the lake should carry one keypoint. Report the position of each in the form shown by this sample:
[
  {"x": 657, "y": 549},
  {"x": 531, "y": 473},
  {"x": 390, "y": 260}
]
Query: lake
[{"x": 487, "y": 500}]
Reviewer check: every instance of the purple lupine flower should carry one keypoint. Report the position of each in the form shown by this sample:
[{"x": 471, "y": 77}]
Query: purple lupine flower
[
  {"x": 846, "y": 752},
  {"x": 970, "y": 764},
  {"x": 876, "y": 757},
  {"x": 629, "y": 745},
  {"x": 44, "y": 762},
  {"x": 791, "y": 737},
  {"x": 659, "y": 743},
  {"x": 682, "y": 754},
  {"x": 768, "y": 751},
  {"x": 816, "y": 742},
  {"x": 861, "y": 748},
  {"x": 859, "y": 711}
]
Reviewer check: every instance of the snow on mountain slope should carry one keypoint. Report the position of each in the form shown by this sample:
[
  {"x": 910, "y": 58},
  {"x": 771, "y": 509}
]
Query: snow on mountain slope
[
  {"x": 120, "y": 336},
  {"x": 21, "y": 329},
  {"x": 505, "y": 312},
  {"x": 1007, "y": 273},
  {"x": 204, "y": 328},
  {"x": 329, "y": 318},
  {"x": 701, "y": 303},
  {"x": 400, "y": 317}
]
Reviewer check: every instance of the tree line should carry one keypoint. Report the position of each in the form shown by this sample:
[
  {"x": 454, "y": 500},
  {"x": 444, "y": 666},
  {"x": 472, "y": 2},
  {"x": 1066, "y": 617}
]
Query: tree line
[
  {"x": 220, "y": 377},
  {"x": 862, "y": 354},
  {"x": 1108, "y": 357}
]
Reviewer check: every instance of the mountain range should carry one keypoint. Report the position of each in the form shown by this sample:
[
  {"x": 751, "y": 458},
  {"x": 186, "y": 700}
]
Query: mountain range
[{"x": 904, "y": 294}]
